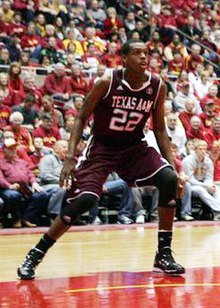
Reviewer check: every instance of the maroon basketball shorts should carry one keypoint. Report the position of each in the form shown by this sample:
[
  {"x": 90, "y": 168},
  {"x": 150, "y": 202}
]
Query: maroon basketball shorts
[{"x": 136, "y": 165}]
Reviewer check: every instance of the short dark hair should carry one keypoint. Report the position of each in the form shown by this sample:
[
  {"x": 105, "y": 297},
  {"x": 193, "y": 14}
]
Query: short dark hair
[{"x": 126, "y": 47}]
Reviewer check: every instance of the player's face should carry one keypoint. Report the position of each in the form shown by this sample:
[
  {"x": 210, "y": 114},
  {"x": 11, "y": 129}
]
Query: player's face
[{"x": 136, "y": 59}]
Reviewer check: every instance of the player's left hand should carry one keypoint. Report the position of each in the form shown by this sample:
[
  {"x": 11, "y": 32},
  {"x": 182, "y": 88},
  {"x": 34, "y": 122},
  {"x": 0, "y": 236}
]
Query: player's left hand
[{"x": 67, "y": 173}]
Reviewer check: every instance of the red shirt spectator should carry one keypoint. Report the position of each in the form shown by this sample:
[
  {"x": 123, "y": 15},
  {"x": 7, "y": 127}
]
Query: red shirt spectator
[
  {"x": 214, "y": 132},
  {"x": 77, "y": 83},
  {"x": 56, "y": 82},
  {"x": 186, "y": 115},
  {"x": 29, "y": 89},
  {"x": 15, "y": 81},
  {"x": 112, "y": 59},
  {"x": 112, "y": 23},
  {"x": 5, "y": 112},
  {"x": 212, "y": 95},
  {"x": 47, "y": 132}
]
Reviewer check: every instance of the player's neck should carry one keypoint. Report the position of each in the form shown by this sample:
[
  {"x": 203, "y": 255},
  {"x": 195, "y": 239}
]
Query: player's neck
[{"x": 136, "y": 82}]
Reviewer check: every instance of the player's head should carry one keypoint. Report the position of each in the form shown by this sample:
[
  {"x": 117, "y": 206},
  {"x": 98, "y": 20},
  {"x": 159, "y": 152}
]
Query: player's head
[{"x": 134, "y": 55}]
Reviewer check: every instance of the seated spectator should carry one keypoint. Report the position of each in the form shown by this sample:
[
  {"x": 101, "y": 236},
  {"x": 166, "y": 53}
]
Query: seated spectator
[
  {"x": 199, "y": 168},
  {"x": 78, "y": 100},
  {"x": 176, "y": 65},
  {"x": 177, "y": 134},
  {"x": 29, "y": 113},
  {"x": 5, "y": 112},
  {"x": 15, "y": 81},
  {"x": 31, "y": 41},
  {"x": 182, "y": 96},
  {"x": 112, "y": 59},
  {"x": 37, "y": 154},
  {"x": 68, "y": 126},
  {"x": 155, "y": 44},
  {"x": 51, "y": 32},
  {"x": 50, "y": 168},
  {"x": 40, "y": 23},
  {"x": 193, "y": 59},
  {"x": 190, "y": 146},
  {"x": 91, "y": 60},
  {"x": 195, "y": 130},
  {"x": 167, "y": 23},
  {"x": 27, "y": 9},
  {"x": 22, "y": 135},
  {"x": 208, "y": 114},
  {"x": 175, "y": 45},
  {"x": 215, "y": 157},
  {"x": 112, "y": 23},
  {"x": 17, "y": 182},
  {"x": 213, "y": 134},
  {"x": 144, "y": 31},
  {"x": 130, "y": 22},
  {"x": 4, "y": 86},
  {"x": 212, "y": 95},
  {"x": 47, "y": 132},
  {"x": 20, "y": 151},
  {"x": 99, "y": 73},
  {"x": 208, "y": 52},
  {"x": 165, "y": 78},
  {"x": 182, "y": 79},
  {"x": 4, "y": 58},
  {"x": 56, "y": 84},
  {"x": 202, "y": 85},
  {"x": 95, "y": 14},
  {"x": 7, "y": 11},
  {"x": 90, "y": 36},
  {"x": 191, "y": 31},
  {"x": 72, "y": 27},
  {"x": 48, "y": 108},
  {"x": 186, "y": 115},
  {"x": 17, "y": 26},
  {"x": 77, "y": 83},
  {"x": 29, "y": 89},
  {"x": 53, "y": 52}
]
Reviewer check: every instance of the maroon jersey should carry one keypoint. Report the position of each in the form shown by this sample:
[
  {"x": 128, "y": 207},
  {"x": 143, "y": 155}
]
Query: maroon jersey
[{"x": 120, "y": 116}]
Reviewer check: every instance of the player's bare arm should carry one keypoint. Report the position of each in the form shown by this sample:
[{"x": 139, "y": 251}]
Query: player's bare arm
[
  {"x": 92, "y": 100},
  {"x": 159, "y": 126}
]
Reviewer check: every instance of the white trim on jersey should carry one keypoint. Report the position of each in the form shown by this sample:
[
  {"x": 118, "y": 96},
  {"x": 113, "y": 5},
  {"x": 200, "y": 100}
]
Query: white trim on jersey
[
  {"x": 82, "y": 193},
  {"x": 146, "y": 84},
  {"x": 110, "y": 85},
  {"x": 150, "y": 176},
  {"x": 158, "y": 91},
  {"x": 85, "y": 152}
]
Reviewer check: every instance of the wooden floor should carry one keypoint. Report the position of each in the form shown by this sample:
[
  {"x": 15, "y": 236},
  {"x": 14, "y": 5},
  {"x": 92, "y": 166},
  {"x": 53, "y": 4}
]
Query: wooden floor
[{"x": 111, "y": 266}]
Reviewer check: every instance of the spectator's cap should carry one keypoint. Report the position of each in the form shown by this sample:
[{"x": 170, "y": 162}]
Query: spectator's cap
[
  {"x": 185, "y": 84},
  {"x": 9, "y": 143},
  {"x": 59, "y": 65}
]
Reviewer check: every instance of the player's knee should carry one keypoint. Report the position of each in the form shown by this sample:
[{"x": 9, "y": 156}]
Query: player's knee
[
  {"x": 167, "y": 185},
  {"x": 77, "y": 207}
]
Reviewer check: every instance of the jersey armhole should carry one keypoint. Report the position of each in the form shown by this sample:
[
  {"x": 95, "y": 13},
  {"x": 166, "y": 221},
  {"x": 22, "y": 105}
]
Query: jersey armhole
[{"x": 110, "y": 85}]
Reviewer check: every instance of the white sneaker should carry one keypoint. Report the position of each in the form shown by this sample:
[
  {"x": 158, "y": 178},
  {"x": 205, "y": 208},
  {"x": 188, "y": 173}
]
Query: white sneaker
[
  {"x": 216, "y": 217},
  {"x": 96, "y": 221},
  {"x": 140, "y": 219},
  {"x": 187, "y": 218},
  {"x": 124, "y": 220}
]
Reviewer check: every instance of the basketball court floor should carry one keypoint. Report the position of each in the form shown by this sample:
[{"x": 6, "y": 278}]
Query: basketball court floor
[{"x": 111, "y": 266}]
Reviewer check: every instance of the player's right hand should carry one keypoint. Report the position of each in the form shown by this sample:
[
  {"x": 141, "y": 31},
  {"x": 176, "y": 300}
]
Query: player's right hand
[{"x": 67, "y": 173}]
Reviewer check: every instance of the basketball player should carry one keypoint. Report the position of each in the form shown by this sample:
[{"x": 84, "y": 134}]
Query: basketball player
[{"x": 121, "y": 104}]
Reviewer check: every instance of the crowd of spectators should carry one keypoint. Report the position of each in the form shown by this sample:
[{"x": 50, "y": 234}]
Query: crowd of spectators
[{"x": 70, "y": 44}]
